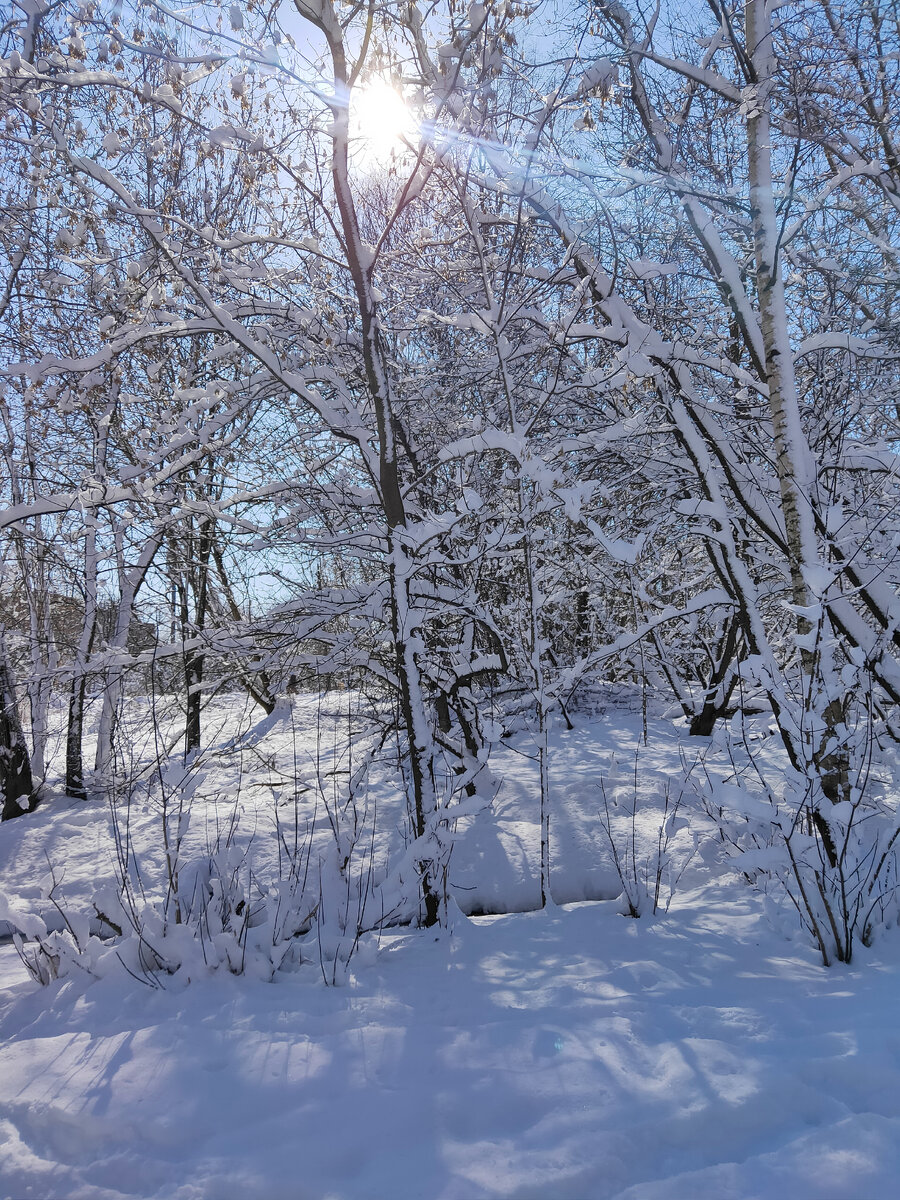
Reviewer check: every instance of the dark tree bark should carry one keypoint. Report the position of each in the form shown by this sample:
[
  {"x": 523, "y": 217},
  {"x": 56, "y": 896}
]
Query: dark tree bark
[
  {"x": 17, "y": 790},
  {"x": 74, "y": 733}
]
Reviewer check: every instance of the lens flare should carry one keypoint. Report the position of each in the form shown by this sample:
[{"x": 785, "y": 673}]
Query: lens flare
[{"x": 383, "y": 122}]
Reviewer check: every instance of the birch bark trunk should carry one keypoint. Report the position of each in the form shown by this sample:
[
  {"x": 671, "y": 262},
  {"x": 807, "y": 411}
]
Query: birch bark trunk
[{"x": 793, "y": 458}]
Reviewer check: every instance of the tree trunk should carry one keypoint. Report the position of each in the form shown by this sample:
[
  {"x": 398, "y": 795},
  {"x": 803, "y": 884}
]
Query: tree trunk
[
  {"x": 74, "y": 735},
  {"x": 378, "y": 383},
  {"x": 793, "y": 458},
  {"x": 17, "y": 790},
  {"x": 75, "y": 729},
  {"x": 715, "y": 700},
  {"x": 130, "y": 581},
  {"x": 195, "y": 659}
]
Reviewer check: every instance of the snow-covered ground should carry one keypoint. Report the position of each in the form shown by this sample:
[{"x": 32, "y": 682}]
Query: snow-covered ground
[{"x": 571, "y": 1053}]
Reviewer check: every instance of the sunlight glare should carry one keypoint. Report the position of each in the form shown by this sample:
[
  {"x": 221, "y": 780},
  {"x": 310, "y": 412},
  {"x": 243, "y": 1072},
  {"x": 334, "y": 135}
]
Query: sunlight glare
[{"x": 383, "y": 121}]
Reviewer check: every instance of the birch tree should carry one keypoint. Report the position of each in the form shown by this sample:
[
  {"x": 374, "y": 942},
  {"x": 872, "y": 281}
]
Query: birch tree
[{"x": 729, "y": 126}]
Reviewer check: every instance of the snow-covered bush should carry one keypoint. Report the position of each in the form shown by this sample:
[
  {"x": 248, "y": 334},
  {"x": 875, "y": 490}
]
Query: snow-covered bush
[
  {"x": 649, "y": 834},
  {"x": 835, "y": 864},
  {"x": 217, "y": 916},
  {"x": 197, "y": 891}
]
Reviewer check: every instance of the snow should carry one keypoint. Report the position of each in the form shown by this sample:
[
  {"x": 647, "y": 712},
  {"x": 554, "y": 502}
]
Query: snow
[
  {"x": 599, "y": 77},
  {"x": 567, "y": 1054},
  {"x": 572, "y": 1054},
  {"x": 646, "y": 269}
]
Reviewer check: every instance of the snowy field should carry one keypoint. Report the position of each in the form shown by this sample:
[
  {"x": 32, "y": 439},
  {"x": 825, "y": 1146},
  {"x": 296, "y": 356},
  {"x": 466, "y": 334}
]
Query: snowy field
[{"x": 702, "y": 1053}]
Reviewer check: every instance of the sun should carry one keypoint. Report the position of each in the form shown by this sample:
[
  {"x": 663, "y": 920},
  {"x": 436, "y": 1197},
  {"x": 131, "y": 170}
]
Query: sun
[{"x": 383, "y": 121}]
